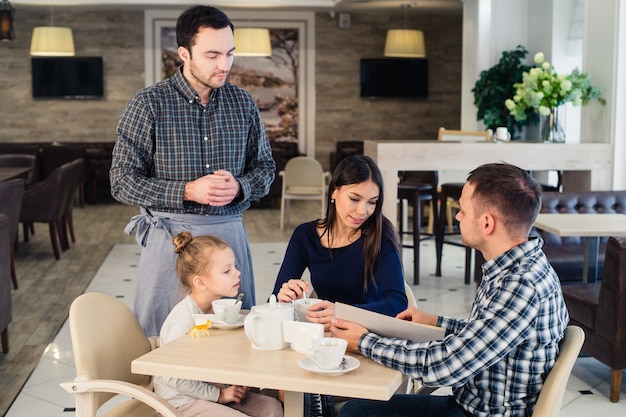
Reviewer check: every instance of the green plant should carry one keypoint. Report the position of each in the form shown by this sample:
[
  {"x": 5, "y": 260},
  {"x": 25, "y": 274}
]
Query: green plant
[
  {"x": 495, "y": 85},
  {"x": 542, "y": 89}
]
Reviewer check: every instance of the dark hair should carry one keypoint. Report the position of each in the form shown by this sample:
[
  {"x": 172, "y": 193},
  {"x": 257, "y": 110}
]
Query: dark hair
[
  {"x": 513, "y": 192},
  {"x": 356, "y": 169},
  {"x": 194, "y": 254},
  {"x": 196, "y": 17}
]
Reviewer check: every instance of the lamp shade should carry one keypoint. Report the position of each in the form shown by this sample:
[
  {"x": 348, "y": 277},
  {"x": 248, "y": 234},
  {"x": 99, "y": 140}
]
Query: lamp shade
[
  {"x": 7, "y": 29},
  {"x": 52, "y": 41},
  {"x": 252, "y": 42},
  {"x": 405, "y": 43}
]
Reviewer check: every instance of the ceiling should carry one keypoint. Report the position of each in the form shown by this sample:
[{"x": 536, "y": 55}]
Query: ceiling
[{"x": 361, "y": 6}]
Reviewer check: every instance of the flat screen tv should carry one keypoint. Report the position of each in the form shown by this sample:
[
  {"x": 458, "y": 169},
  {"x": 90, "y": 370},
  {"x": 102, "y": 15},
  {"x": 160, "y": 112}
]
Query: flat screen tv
[
  {"x": 67, "y": 77},
  {"x": 394, "y": 77}
]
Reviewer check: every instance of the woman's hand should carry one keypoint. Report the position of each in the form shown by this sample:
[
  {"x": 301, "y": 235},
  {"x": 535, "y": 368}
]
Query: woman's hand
[
  {"x": 232, "y": 394},
  {"x": 292, "y": 290},
  {"x": 322, "y": 312}
]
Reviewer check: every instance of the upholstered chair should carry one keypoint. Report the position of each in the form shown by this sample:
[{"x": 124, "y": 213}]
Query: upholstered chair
[
  {"x": 5, "y": 283},
  {"x": 600, "y": 309}
]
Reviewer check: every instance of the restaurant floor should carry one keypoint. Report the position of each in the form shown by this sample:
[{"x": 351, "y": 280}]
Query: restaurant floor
[{"x": 40, "y": 395}]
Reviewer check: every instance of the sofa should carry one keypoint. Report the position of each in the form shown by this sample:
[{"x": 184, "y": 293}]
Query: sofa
[{"x": 566, "y": 254}]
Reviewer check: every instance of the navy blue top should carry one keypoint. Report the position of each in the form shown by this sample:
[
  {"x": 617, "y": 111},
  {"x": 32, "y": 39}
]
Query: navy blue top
[{"x": 337, "y": 274}]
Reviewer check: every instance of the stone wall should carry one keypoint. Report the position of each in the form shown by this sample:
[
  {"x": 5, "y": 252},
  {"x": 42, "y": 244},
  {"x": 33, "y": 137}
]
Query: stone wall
[{"x": 340, "y": 113}]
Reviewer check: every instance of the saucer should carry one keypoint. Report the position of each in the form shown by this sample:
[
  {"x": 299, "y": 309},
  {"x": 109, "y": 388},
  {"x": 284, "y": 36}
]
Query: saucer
[
  {"x": 220, "y": 324},
  {"x": 309, "y": 365}
]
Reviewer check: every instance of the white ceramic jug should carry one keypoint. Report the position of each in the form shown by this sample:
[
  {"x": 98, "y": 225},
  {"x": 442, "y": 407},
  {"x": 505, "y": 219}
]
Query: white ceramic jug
[{"x": 263, "y": 325}]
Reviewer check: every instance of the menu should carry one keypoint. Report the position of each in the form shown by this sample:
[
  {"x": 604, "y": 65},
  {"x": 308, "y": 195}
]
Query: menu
[{"x": 388, "y": 326}]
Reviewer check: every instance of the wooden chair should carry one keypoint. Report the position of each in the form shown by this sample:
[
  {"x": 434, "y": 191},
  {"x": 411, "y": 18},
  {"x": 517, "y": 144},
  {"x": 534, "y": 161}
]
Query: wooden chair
[
  {"x": 303, "y": 179},
  {"x": 106, "y": 338}
]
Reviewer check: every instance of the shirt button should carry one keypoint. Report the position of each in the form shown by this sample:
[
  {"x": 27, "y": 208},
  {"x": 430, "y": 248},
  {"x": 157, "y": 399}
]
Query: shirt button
[
  {"x": 190, "y": 101},
  {"x": 206, "y": 138},
  {"x": 207, "y": 165}
]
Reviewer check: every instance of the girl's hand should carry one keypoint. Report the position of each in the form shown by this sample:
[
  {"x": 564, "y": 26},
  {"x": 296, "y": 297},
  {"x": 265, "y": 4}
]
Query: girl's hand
[
  {"x": 232, "y": 394},
  {"x": 322, "y": 312},
  {"x": 292, "y": 290}
]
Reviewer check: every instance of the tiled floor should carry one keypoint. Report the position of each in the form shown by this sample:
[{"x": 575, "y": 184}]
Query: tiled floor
[{"x": 587, "y": 390}]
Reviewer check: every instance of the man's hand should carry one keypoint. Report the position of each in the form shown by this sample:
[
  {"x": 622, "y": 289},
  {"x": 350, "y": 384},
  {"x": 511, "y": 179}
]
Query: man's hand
[
  {"x": 349, "y": 331},
  {"x": 217, "y": 189},
  {"x": 418, "y": 316}
]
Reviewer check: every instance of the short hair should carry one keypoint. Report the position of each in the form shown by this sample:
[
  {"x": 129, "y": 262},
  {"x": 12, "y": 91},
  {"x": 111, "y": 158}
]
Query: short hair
[
  {"x": 194, "y": 255},
  {"x": 510, "y": 190},
  {"x": 196, "y": 17}
]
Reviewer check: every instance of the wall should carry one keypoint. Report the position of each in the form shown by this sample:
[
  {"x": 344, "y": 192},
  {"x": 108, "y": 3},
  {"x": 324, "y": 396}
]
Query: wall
[{"x": 341, "y": 115}]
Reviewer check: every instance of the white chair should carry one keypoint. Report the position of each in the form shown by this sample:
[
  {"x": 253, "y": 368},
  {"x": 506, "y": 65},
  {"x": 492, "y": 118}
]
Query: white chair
[
  {"x": 106, "y": 338},
  {"x": 550, "y": 398},
  {"x": 303, "y": 179}
]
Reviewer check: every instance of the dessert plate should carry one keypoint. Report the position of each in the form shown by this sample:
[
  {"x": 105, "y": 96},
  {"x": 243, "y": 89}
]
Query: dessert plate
[
  {"x": 350, "y": 365},
  {"x": 219, "y": 324}
]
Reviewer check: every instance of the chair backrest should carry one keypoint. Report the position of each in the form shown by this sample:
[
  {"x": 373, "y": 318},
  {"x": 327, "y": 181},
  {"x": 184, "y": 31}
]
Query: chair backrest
[
  {"x": 46, "y": 200},
  {"x": 462, "y": 135},
  {"x": 106, "y": 338},
  {"x": 611, "y": 310},
  {"x": 303, "y": 171},
  {"x": 5, "y": 279},
  {"x": 409, "y": 295},
  {"x": 11, "y": 196},
  {"x": 551, "y": 396},
  {"x": 15, "y": 160}
]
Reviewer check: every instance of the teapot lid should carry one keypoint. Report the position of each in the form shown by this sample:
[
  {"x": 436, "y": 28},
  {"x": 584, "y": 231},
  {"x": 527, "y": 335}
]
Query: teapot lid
[{"x": 273, "y": 306}]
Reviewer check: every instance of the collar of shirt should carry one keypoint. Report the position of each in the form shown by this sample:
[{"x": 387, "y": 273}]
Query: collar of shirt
[
  {"x": 495, "y": 266},
  {"x": 182, "y": 85}
]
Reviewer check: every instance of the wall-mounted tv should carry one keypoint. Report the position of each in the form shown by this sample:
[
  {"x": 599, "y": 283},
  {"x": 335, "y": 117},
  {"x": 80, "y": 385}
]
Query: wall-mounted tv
[
  {"x": 394, "y": 77},
  {"x": 67, "y": 77}
]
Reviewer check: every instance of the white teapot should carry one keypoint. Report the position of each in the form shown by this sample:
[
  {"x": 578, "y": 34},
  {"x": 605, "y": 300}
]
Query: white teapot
[{"x": 264, "y": 324}]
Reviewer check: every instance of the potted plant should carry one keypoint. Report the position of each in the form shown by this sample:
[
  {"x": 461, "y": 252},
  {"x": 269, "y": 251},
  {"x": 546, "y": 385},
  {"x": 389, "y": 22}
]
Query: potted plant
[{"x": 495, "y": 86}]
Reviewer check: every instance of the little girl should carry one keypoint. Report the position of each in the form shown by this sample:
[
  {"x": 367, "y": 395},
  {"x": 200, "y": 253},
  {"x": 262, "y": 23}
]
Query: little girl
[{"x": 206, "y": 269}]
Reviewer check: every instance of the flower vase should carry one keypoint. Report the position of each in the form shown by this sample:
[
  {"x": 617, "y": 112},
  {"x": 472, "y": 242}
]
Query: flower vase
[{"x": 552, "y": 130}]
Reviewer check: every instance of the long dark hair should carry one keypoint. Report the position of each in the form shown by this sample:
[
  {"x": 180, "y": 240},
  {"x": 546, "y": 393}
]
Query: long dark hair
[{"x": 356, "y": 169}]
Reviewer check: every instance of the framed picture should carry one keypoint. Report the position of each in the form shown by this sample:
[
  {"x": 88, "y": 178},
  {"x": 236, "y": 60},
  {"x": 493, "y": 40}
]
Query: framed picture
[{"x": 283, "y": 85}]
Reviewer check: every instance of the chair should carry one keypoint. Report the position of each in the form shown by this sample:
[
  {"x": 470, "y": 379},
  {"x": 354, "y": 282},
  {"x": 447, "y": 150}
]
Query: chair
[
  {"x": 11, "y": 196},
  {"x": 21, "y": 160},
  {"x": 551, "y": 396},
  {"x": 600, "y": 309},
  {"x": 303, "y": 179},
  {"x": 417, "y": 187},
  {"x": 5, "y": 284},
  {"x": 106, "y": 338},
  {"x": 45, "y": 202},
  {"x": 412, "y": 302},
  {"x": 75, "y": 175}
]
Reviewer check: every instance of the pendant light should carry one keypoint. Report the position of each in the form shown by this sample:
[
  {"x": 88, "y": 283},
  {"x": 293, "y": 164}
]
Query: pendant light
[
  {"x": 405, "y": 43},
  {"x": 52, "y": 40},
  {"x": 252, "y": 42},
  {"x": 7, "y": 29}
]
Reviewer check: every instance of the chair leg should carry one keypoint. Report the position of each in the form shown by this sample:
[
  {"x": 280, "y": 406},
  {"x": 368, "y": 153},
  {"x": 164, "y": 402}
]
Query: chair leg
[
  {"x": 282, "y": 213},
  {"x": 5, "y": 340},
  {"x": 70, "y": 224},
  {"x": 417, "y": 220},
  {"x": 54, "y": 240},
  {"x": 12, "y": 260},
  {"x": 616, "y": 384}
]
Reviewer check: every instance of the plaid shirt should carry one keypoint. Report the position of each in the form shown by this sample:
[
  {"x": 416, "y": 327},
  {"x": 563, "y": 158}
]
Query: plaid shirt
[
  {"x": 497, "y": 360},
  {"x": 166, "y": 138}
]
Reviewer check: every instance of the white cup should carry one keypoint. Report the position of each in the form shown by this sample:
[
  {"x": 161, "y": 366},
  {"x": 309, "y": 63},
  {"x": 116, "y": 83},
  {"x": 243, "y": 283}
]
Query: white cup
[
  {"x": 302, "y": 305},
  {"x": 300, "y": 335},
  {"x": 502, "y": 133},
  {"x": 226, "y": 309},
  {"x": 327, "y": 352}
]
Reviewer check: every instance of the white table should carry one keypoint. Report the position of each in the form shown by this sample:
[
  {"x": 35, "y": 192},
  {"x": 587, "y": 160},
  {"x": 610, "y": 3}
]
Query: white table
[
  {"x": 225, "y": 356},
  {"x": 591, "y": 227}
]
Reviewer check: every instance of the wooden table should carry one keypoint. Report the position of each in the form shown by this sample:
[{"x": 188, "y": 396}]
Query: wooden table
[
  {"x": 591, "y": 227},
  {"x": 227, "y": 357},
  {"x": 9, "y": 173}
]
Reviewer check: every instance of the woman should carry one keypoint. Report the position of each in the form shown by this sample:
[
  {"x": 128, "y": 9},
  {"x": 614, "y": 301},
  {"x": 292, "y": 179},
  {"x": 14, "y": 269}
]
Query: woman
[{"x": 353, "y": 254}]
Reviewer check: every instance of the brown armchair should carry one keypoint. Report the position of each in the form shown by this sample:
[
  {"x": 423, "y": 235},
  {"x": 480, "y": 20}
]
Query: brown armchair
[
  {"x": 600, "y": 309},
  {"x": 11, "y": 196},
  {"x": 5, "y": 283},
  {"x": 46, "y": 202}
]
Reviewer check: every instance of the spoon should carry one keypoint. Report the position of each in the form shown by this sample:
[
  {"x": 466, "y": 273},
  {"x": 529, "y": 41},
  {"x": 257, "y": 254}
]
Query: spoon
[{"x": 239, "y": 297}]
